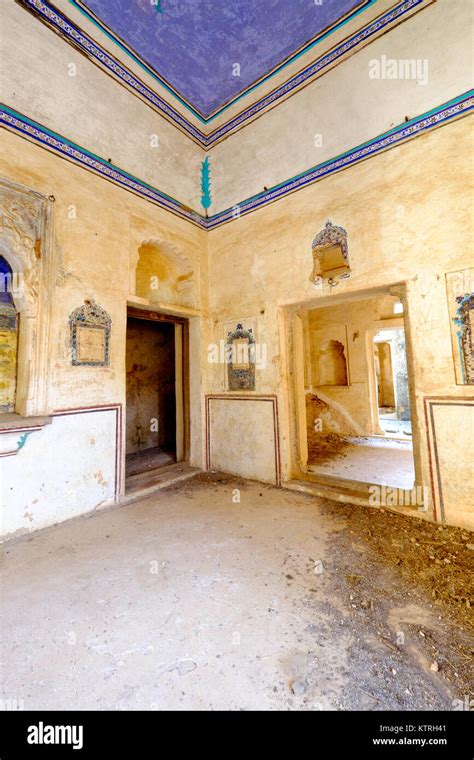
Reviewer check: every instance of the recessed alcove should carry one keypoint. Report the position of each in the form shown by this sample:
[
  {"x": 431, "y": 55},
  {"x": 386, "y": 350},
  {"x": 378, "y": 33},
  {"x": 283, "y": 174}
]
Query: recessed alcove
[{"x": 164, "y": 274}]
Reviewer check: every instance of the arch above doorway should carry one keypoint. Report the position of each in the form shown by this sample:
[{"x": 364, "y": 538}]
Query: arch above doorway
[{"x": 164, "y": 274}]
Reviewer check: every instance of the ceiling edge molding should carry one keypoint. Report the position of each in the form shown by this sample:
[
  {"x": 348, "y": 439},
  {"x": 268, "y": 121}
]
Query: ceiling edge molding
[
  {"x": 362, "y": 5},
  {"x": 72, "y": 34}
]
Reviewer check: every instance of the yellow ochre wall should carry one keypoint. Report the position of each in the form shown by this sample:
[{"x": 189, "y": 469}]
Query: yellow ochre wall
[
  {"x": 408, "y": 214},
  {"x": 67, "y": 467}
]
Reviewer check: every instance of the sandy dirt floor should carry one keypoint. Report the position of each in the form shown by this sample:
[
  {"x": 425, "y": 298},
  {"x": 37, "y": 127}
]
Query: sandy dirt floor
[{"x": 192, "y": 599}]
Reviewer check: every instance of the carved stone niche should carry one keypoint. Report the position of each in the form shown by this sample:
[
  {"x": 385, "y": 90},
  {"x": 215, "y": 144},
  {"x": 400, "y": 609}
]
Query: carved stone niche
[
  {"x": 330, "y": 255},
  {"x": 25, "y": 244}
]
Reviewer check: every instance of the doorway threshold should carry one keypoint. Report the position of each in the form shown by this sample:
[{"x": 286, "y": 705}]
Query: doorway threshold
[
  {"x": 346, "y": 491},
  {"x": 333, "y": 491},
  {"x": 144, "y": 484}
]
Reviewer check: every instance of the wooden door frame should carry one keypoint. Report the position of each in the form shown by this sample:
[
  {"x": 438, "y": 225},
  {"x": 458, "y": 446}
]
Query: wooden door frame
[{"x": 155, "y": 316}]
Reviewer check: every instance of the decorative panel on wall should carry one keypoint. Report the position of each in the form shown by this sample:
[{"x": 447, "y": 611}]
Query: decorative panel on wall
[
  {"x": 450, "y": 424},
  {"x": 242, "y": 436},
  {"x": 240, "y": 355},
  {"x": 62, "y": 470}
]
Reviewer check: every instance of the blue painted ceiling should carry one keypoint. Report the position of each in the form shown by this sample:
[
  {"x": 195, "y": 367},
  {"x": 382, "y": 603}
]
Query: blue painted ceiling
[{"x": 193, "y": 44}]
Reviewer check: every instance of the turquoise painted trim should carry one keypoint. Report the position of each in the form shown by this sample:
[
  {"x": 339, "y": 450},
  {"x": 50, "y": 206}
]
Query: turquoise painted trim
[
  {"x": 392, "y": 131},
  {"x": 87, "y": 152},
  {"x": 203, "y": 119},
  {"x": 21, "y": 442},
  {"x": 455, "y": 108},
  {"x": 82, "y": 157}
]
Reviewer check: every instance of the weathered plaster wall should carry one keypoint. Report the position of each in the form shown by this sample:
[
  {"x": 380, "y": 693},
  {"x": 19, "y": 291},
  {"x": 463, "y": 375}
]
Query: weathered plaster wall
[
  {"x": 243, "y": 438},
  {"x": 91, "y": 109},
  {"x": 400, "y": 363},
  {"x": 345, "y": 108},
  {"x": 408, "y": 214},
  {"x": 97, "y": 231},
  {"x": 384, "y": 369},
  {"x": 62, "y": 471}
]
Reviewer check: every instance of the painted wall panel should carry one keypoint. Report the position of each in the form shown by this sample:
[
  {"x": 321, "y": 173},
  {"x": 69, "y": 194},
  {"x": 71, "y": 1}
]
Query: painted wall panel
[
  {"x": 67, "y": 468},
  {"x": 243, "y": 437},
  {"x": 451, "y": 424}
]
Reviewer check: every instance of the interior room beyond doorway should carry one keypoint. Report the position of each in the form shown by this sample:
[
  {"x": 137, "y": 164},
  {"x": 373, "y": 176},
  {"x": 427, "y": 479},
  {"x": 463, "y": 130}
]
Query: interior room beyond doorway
[{"x": 356, "y": 388}]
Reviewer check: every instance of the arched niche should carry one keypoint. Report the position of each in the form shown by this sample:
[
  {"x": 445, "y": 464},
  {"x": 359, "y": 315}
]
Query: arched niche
[
  {"x": 331, "y": 364},
  {"x": 330, "y": 254},
  {"x": 164, "y": 274},
  {"x": 25, "y": 245}
]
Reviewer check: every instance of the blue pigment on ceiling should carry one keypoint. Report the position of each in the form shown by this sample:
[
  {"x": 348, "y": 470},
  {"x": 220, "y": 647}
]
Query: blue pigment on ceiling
[{"x": 195, "y": 44}]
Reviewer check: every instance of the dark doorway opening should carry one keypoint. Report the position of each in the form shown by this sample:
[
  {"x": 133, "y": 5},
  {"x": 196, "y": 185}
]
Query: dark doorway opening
[{"x": 155, "y": 395}]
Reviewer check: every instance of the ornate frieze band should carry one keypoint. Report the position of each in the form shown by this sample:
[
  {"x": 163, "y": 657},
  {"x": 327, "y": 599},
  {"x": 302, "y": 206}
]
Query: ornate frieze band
[
  {"x": 441, "y": 115},
  {"x": 445, "y": 113},
  {"x": 69, "y": 150},
  {"x": 79, "y": 39}
]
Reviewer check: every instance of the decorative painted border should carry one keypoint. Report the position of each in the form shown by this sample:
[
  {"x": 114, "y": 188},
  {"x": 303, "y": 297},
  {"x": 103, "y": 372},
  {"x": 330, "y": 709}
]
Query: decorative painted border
[
  {"x": 81, "y": 156},
  {"x": 80, "y": 40},
  {"x": 126, "y": 48},
  {"x": 27, "y": 429},
  {"x": 243, "y": 397},
  {"x": 312, "y": 70},
  {"x": 435, "y": 473},
  {"x": 443, "y": 114},
  {"x": 457, "y": 107}
]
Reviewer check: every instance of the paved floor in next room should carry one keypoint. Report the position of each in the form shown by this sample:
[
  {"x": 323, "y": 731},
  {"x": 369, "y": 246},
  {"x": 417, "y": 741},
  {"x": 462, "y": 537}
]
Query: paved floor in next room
[
  {"x": 372, "y": 459},
  {"x": 189, "y": 599}
]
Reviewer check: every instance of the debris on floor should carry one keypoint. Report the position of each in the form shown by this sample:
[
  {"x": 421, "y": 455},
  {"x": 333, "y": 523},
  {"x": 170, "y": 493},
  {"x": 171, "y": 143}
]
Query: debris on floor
[{"x": 221, "y": 593}]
